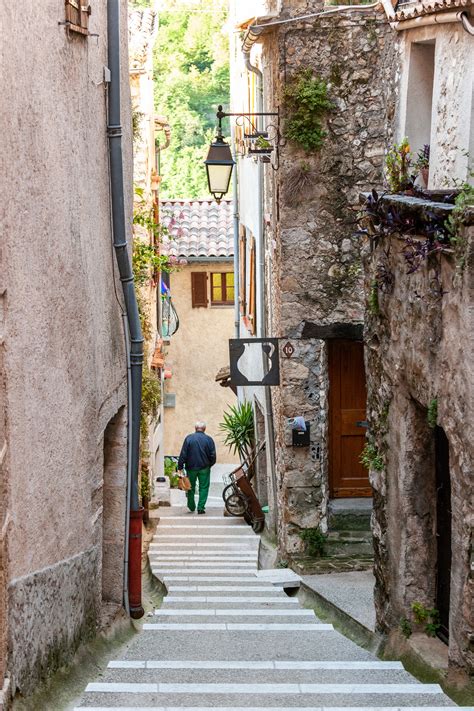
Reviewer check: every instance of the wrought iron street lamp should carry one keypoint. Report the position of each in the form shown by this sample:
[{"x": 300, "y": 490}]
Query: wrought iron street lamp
[{"x": 219, "y": 162}]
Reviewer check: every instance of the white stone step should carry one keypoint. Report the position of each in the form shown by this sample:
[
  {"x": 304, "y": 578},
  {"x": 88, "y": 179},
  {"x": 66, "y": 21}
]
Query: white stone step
[
  {"x": 248, "y": 664},
  {"x": 249, "y": 612},
  {"x": 231, "y": 598},
  {"x": 270, "y": 688},
  {"x": 239, "y": 626}
]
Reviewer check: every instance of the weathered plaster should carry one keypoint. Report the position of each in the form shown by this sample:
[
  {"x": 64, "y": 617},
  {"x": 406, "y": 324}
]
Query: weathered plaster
[
  {"x": 64, "y": 363},
  {"x": 451, "y": 139},
  {"x": 198, "y": 350}
]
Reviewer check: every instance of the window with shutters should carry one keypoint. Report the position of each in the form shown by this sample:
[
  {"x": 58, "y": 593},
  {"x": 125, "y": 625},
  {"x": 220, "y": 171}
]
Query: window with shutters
[
  {"x": 251, "y": 316},
  {"x": 199, "y": 289},
  {"x": 242, "y": 269},
  {"x": 222, "y": 288},
  {"x": 77, "y": 16}
]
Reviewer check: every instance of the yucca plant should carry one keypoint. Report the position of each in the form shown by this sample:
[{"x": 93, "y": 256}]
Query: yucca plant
[{"x": 238, "y": 428}]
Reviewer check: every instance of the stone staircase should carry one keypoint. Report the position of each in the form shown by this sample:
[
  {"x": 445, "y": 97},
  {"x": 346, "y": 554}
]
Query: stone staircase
[{"x": 226, "y": 638}]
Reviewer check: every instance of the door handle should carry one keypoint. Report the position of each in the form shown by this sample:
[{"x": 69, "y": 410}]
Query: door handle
[{"x": 362, "y": 423}]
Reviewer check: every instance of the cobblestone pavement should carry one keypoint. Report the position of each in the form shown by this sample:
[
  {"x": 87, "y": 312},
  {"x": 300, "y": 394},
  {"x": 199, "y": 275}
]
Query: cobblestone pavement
[{"x": 226, "y": 640}]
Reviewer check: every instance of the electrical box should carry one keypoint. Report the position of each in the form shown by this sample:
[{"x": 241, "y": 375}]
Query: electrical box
[{"x": 300, "y": 438}]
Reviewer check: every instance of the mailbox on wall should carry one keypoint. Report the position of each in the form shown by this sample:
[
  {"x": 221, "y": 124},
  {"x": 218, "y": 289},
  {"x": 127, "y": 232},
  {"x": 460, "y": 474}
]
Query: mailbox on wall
[{"x": 300, "y": 438}]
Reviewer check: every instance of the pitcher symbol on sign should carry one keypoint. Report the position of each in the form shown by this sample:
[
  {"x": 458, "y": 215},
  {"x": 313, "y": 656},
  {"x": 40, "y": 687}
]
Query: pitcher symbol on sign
[{"x": 256, "y": 360}]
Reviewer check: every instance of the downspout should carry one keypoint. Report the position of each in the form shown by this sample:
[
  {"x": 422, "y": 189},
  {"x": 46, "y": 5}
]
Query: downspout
[
  {"x": 250, "y": 39},
  {"x": 114, "y": 132}
]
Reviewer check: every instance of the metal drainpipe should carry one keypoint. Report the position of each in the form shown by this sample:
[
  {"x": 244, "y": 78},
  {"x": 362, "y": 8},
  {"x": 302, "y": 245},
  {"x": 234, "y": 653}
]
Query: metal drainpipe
[
  {"x": 270, "y": 429},
  {"x": 114, "y": 132}
]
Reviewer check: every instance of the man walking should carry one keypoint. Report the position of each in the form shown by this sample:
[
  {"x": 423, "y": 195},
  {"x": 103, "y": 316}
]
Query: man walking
[{"x": 198, "y": 454}]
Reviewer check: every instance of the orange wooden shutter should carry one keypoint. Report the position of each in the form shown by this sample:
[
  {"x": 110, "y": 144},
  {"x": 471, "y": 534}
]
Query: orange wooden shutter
[
  {"x": 199, "y": 289},
  {"x": 252, "y": 313},
  {"x": 77, "y": 14},
  {"x": 242, "y": 258}
]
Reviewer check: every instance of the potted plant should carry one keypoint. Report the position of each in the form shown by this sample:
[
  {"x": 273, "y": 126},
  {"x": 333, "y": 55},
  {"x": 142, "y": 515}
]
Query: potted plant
[
  {"x": 397, "y": 167},
  {"x": 422, "y": 163},
  {"x": 239, "y": 431},
  {"x": 261, "y": 146}
]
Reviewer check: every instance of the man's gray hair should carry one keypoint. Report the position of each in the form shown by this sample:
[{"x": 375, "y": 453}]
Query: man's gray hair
[{"x": 200, "y": 425}]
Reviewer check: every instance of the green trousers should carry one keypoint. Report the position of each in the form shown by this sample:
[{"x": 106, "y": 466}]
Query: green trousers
[{"x": 204, "y": 478}]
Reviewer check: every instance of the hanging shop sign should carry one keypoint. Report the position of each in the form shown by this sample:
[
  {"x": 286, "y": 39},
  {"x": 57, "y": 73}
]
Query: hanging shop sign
[{"x": 254, "y": 361}]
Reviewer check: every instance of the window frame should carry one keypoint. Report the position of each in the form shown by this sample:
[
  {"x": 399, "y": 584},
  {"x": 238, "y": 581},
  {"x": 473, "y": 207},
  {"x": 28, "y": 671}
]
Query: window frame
[{"x": 223, "y": 285}]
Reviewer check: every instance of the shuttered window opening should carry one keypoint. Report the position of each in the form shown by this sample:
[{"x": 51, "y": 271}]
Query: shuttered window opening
[
  {"x": 77, "y": 16},
  {"x": 252, "y": 309},
  {"x": 199, "y": 289},
  {"x": 222, "y": 288},
  {"x": 242, "y": 269}
]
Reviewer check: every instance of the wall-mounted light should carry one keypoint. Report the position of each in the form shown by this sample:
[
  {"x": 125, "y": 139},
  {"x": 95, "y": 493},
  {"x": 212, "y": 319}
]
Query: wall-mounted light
[{"x": 219, "y": 162}]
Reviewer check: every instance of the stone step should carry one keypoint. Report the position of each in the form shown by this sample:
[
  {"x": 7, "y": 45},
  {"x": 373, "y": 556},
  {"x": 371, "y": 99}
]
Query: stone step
[
  {"x": 255, "y": 673},
  {"x": 349, "y": 543},
  {"x": 349, "y": 514}
]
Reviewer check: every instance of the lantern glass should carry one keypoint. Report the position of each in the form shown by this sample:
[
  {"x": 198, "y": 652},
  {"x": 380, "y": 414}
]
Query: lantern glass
[{"x": 219, "y": 164}]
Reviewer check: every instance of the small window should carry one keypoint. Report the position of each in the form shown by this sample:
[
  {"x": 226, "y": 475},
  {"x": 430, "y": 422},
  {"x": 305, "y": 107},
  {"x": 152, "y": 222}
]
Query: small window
[
  {"x": 77, "y": 16},
  {"x": 222, "y": 288}
]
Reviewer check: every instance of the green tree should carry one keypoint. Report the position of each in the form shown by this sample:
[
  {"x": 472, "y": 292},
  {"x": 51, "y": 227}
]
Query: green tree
[{"x": 191, "y": 72}]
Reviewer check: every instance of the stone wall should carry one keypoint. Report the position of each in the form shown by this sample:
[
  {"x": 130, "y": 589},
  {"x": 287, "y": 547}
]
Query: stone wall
[
  {"x": 313, "y": 255},
  {"x": 64, "y": 366},
  {"x": 419, "y": 350}
]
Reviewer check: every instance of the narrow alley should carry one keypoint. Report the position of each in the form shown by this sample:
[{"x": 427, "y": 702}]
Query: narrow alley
[{"x": 226, "y": 637}]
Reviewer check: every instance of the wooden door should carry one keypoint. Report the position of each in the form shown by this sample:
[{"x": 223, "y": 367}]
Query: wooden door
[
  {"x": 443, "y": 532},
  {"x": 347, "y": 401}
]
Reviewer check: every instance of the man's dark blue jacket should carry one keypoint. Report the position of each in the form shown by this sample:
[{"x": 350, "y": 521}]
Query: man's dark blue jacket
[{"x": 198, "y": 452}]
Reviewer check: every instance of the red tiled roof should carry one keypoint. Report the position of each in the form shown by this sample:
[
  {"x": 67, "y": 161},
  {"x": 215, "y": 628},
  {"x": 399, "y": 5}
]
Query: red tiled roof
[
  {"x": 198, "y": 228},
  {"x": 411, "y": 10}
]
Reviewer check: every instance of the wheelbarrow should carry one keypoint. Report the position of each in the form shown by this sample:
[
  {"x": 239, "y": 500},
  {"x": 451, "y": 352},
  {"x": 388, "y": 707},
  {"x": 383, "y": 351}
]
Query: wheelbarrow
[{"x": 240, "y": 498}]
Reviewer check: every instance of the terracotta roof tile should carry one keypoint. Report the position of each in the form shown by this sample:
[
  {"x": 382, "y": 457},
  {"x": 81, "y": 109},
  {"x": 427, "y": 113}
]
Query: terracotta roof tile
[
  {"x": 142, "y": 29},
  {"x": 198, "y": 228},
  {"x": 411, "y": 10}
]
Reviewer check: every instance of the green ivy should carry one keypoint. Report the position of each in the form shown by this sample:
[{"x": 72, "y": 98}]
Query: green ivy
[
  {"x": 429, "y": 617},
  {"x": 314, "y": 540},
  {"x": 373, "y": 302},
  {"x": 405, "y": 627},
  {"x": 457, "y": 218},
  {"x": 151, "y": 398},
  {"x": 432, "y": 414},
  {"x": 306, "y": 104},
  {"x": 371, "y": 457}
]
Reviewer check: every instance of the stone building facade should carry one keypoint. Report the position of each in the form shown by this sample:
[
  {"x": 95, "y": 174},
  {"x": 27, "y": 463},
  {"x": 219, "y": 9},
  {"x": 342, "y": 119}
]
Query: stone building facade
[
  {"x": 419, "y": 343},
  {"x": 313, "y": 287},
  {"x": 63, "y": 387}
]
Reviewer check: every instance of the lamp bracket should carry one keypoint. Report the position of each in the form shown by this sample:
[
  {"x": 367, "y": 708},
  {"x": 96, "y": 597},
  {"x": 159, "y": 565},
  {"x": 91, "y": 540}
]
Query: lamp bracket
[{"x": 271, "y": 130}]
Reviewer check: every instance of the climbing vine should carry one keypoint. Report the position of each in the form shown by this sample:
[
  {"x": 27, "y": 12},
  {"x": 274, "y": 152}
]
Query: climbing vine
[{"x": 306, "y": 104}]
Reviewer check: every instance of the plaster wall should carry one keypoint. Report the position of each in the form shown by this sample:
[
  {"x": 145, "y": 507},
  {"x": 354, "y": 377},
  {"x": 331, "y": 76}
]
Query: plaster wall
[
  {"x": 419, "y": 349},
  {"x": 198, "y": 350},
  {"x": 64, "y": 359},
  {"x": 452, "y": 123}
]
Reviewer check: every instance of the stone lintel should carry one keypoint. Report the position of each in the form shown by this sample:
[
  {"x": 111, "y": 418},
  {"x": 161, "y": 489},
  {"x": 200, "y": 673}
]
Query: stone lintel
[{"x": 324, "y": 332}]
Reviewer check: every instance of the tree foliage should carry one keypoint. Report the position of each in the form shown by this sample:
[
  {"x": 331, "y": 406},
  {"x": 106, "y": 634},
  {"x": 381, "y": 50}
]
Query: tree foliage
[{"x": 191, "y": 73}]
